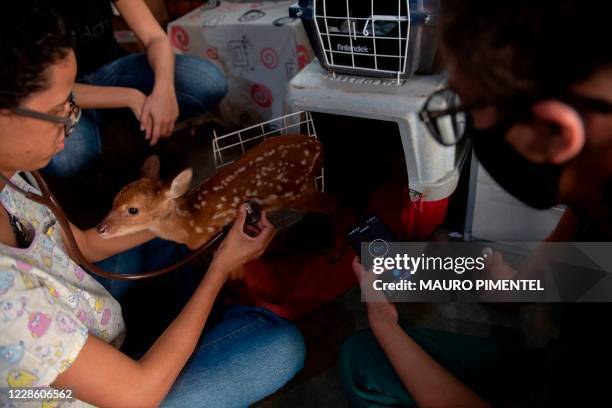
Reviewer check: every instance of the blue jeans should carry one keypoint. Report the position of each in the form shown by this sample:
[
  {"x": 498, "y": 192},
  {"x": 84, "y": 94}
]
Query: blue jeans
[
  {"x": 150, "y": 256},
  {"x": 245, "y": 353},
  {"x": 199, "y": 85},
  {"x": 249, "y": 354}
]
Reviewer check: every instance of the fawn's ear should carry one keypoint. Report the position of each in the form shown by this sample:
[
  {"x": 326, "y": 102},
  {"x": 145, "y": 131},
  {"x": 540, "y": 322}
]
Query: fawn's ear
[
  {"x": 150, "y": 168},
  {"x": 181, "y": 183}
]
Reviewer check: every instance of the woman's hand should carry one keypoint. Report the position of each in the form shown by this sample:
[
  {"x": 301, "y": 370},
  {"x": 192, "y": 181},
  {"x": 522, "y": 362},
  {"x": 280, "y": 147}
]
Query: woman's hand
[
  {"x": 238, "y": 247},
  {"x": 159, "y": 113},
  {"x": 380, "y": 310},
  {"x": 136, "y": 102}
]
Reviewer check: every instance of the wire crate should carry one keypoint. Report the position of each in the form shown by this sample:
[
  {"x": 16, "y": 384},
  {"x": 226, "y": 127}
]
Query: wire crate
[
  {"x": 231, "y": 146},
  {"x": 383, "y": 38}
]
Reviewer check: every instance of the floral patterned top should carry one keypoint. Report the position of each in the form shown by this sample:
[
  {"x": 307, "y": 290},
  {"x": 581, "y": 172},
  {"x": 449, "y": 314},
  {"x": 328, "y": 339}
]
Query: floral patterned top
[{"x": 48, "y": 304}]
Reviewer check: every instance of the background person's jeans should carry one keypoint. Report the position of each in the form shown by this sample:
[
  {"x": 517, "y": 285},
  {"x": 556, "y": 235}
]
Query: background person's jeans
[{"x": 199, "y": 86}]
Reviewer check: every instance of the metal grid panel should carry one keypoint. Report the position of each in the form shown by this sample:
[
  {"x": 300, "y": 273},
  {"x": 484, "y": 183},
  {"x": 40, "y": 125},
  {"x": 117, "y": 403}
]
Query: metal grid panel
[
  {"x": 229, "y": 147},
  {"x": 364, "y": 38}
]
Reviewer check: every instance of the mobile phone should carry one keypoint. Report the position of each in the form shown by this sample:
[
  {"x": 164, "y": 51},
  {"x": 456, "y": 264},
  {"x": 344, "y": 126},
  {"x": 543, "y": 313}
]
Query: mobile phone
[{"x": 372, "y": 230}]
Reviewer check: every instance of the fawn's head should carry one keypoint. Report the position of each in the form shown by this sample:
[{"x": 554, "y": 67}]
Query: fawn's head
[{"x": 145, "y": 203}]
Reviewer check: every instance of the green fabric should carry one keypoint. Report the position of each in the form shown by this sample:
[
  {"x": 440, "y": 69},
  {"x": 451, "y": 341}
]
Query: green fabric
[{"x": 495, "y": 370}]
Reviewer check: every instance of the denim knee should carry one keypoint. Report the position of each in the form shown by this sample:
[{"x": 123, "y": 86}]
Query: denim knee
[
  {"x": 256, "y": 350},
  {"x": 286, "y": 351},
  {"x": 81, "y": 149},
  {"x": 200, "y": 85}
]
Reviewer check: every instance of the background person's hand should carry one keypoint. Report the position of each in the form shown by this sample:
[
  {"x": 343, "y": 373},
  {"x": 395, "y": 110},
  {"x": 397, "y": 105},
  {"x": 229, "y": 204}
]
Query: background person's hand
[
  {"x": 238, "y": 247},
  {"x": 159, "y": 113},
  {"x": 379, "y": 308},
  {"x": 136, "y": 102}
]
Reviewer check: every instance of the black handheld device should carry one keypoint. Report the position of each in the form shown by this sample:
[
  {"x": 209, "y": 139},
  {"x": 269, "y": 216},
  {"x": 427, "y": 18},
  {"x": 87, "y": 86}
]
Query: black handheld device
[{"x": 372, "y": 230}]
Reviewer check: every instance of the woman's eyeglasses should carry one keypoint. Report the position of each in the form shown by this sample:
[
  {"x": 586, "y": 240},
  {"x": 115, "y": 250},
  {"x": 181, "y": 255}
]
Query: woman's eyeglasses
[{"x": 69, "y": 121}]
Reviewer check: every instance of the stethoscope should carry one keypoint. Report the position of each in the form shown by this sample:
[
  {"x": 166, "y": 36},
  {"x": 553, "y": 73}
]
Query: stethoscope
[{"x": 48, "y": 200}]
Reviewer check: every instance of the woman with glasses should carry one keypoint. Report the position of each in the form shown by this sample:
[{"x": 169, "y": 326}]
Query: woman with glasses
[
  {"x": 58, "y": 326},
  {"x": 158, "y": 87}
]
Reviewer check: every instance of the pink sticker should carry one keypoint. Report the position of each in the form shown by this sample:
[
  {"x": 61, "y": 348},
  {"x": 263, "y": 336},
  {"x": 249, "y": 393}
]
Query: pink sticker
[
  {"x": 261, "y": 95},
  {"x": 269, "y": 58},
  {"x": 302, "y": 56},
  {"x": 212, "y": 53},
  {"x": 179, "y": 38}
]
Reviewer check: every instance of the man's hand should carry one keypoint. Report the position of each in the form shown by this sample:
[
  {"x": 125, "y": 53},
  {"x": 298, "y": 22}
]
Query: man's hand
[
  {"x": 159, "y": 113},
  {"x": 496, "y": 268},
  {"x": 238, "y": 247},
  {"x": 380, "y": 310}
]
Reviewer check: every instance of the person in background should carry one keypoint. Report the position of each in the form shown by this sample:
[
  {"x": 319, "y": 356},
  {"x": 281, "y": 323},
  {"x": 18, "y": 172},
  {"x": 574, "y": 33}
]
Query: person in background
[
  {"x": 532, "y": 81},
  {"x": 58, "y": 326},
  {"x": 159, "y": 87}
]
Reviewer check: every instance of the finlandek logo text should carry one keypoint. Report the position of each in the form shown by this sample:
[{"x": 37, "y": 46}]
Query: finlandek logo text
[{"x": 354, "y": 48}]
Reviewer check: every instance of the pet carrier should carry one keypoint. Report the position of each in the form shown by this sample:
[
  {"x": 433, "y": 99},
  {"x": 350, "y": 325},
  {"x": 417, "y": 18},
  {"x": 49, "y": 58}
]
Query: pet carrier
[
  {"x": 392, "y": 112},
  {"x": 382, "y": 38}
]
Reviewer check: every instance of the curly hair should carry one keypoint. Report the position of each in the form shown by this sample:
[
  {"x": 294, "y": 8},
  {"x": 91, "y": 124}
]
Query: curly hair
[
  {"x": 32, "y": 38},
  {"x": 526, "y": 48}
]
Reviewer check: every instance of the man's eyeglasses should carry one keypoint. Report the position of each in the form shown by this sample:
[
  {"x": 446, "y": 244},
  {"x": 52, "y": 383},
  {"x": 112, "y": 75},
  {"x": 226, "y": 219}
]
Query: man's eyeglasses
[
  {"x": 69, "y": 121},
  {"x": 447, "y": 118}
]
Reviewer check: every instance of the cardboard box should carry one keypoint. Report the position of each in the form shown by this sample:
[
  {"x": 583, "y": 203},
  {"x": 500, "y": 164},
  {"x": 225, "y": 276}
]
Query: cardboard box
[{"x": 258, "y": 47}]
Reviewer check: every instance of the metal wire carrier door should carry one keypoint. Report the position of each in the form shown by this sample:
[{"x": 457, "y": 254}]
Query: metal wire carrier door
[
  {"x": 229, "y": 147},
  {"x": 370, "y": 36}
]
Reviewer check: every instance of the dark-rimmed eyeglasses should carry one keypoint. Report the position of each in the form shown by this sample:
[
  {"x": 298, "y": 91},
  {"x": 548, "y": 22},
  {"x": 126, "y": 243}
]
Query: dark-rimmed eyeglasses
[
  {"x": 69, "y": 121},
  {"x": 447, "y": 118}
]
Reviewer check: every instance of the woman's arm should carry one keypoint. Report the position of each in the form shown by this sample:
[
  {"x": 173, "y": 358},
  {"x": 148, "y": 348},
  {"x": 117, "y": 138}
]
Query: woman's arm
[
  {"x": 107, "y": 97},
  {"x": 95, "y": 248},
  {"x": 160, "y": 110},
  {"x": 103, "y": 376}
]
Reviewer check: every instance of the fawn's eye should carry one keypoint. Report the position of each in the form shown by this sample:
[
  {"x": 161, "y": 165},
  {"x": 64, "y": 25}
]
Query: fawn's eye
[{"x": 133, "y": 211}]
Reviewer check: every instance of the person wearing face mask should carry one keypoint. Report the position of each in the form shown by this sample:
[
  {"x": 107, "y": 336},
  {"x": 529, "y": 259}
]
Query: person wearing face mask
[{"x": 530, "y": 85}]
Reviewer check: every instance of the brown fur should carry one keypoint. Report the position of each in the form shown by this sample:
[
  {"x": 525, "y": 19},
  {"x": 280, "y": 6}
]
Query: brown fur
[{"x": 279, "y": 173}]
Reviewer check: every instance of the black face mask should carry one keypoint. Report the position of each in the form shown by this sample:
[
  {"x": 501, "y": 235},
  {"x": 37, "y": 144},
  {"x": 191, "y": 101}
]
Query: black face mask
[{"x": 536, "y": 185}]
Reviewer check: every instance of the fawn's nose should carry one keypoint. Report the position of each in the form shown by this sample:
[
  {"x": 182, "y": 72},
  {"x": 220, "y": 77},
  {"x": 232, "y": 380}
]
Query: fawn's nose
[{"x": 102, "y": 228}]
